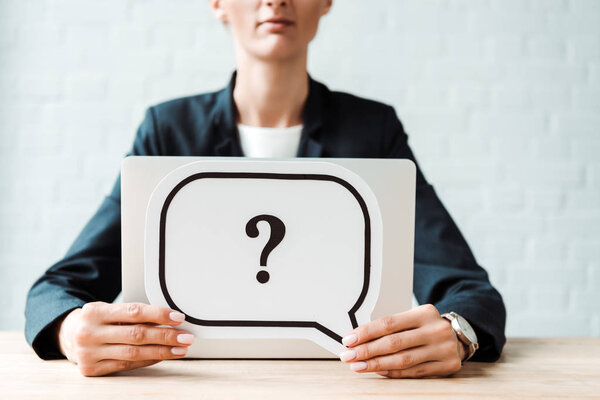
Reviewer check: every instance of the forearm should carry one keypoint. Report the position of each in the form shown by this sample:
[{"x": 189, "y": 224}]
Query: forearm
[
  {"x": 46, "y": 306},
  {"x": 89, "y": 271},
  {"x": 469, "y": 293},
  {"x": 484, "y": 309}
]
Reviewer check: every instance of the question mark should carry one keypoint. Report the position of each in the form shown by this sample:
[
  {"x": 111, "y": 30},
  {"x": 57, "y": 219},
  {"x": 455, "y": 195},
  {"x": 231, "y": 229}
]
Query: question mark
[{"x": 277, "y": 234}]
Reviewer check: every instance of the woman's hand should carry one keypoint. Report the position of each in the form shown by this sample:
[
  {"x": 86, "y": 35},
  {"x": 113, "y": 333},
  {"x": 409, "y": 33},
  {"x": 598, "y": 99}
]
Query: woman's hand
[
  {"x": 103, "y": 337},
  {"x": 412, "y": 344}
]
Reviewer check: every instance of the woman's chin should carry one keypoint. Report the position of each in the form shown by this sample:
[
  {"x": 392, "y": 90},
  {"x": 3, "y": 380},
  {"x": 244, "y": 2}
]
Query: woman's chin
[
  {"x": 278, "y": 49},
  {"x": 279, "y": 54}
]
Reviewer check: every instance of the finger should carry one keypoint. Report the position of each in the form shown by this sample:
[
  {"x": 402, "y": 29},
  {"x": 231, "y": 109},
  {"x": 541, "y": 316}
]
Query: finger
[
  {"x": 105, "y": 367},
  {"x": 144, "y": 334},
  {"x": 401, "y": 360},
  {"x": 131, "y": 312},
  {"x": 388, "y": 344},
  {"x": 131, "y": 352},
  {"x": 410, "y": 319},
  {"x": 433, "y": 369}
]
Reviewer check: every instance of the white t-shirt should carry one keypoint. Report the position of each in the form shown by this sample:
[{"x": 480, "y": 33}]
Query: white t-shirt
[{"x": 269, "y": 142}]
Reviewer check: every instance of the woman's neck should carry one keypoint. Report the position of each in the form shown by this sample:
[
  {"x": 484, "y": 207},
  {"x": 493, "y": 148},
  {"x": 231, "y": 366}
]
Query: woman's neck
[{"x": 271, "y": 94}]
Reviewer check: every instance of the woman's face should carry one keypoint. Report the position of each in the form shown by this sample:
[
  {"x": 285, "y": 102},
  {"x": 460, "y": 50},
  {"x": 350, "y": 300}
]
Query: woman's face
[{"x": 272, "y": 29}]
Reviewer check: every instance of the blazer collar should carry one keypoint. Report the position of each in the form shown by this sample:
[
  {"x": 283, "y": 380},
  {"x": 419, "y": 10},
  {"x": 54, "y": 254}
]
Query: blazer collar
[{"x": 226, "y": 115}]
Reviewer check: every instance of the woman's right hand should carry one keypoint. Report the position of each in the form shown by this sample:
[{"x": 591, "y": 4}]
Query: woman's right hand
[{"x": 105, "y": 337}]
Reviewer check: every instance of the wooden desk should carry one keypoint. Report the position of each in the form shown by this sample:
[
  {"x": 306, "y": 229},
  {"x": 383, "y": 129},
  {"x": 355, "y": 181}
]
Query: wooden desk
[{"x": 529, "y": 368}]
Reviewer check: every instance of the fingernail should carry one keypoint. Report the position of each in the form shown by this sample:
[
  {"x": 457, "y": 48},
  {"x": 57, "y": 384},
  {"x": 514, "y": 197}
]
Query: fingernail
[
  {"x": 178, "y": 351},
  {"x": 348, "y": 340},
  {"x": 348, "y": 355},
  {"x": 185, "y": 338},
  {"x": 358, "y": 366},
  {"x": 383, "y": 373},
  {"x": 177, "y": 316}
]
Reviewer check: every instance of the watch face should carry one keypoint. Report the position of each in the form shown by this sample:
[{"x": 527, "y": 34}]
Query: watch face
[{"x": 466, "y": 328}]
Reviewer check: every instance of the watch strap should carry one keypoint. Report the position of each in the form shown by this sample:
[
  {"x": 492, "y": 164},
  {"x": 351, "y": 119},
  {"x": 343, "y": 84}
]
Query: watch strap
[{"x": 470, "y": 347}]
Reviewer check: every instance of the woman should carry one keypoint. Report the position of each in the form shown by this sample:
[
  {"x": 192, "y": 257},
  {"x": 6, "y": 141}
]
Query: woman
[{"x": 271, "y": 107}]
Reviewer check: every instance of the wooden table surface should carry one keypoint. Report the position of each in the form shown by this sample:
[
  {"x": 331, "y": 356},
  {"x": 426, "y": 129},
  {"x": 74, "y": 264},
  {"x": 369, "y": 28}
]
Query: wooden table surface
[{"x": 529, "y": 368}]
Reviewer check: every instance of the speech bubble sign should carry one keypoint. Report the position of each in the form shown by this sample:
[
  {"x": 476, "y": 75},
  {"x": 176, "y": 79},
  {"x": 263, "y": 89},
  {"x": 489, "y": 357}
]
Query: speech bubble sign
[{"x": 265, "y": 249}]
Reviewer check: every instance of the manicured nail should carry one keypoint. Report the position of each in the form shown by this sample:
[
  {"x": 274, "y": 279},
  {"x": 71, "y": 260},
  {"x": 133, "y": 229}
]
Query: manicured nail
[
  {"x": 358, "y": 366},
  {"x": 383, "y": 373},
  {"x": 178, "y": 351},
  {"x": 348, "y": 355},
  {"x": 185, "y": 338},
  {"x": 348, "y": 340},
  {"x": 177, "y": 316}
]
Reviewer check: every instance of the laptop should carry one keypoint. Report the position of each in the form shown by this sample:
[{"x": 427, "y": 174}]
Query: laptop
[{"x": 264, "y": 289}]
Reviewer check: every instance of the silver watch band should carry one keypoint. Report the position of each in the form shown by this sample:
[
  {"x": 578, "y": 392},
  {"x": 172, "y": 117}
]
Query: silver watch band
[{"x": 470, "y": 345}]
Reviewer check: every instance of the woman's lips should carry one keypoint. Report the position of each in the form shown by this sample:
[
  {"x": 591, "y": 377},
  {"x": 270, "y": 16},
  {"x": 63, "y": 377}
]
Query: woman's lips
[{"x": 276, "y": 26}]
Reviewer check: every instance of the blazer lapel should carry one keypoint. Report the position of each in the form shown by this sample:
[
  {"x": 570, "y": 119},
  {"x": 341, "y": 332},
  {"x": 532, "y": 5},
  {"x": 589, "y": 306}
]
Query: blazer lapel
[
  {"x": 225, "y": 122},
  {"x": 312, "y": 120},
  {"x": 226, "y": 115},
  {"x": 312, "y": 148}
]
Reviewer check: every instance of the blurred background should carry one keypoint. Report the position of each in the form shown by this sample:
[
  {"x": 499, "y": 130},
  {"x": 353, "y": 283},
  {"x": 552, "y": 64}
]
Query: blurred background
[{"x": 500, "y": 99}]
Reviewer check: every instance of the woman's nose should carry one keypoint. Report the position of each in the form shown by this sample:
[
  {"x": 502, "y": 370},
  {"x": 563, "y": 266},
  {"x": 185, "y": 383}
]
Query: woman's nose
[{"x": 275, "y": 3}]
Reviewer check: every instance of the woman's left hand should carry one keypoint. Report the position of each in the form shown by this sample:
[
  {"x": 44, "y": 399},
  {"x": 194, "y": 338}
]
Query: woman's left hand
[{"x": 412, "y": 344}]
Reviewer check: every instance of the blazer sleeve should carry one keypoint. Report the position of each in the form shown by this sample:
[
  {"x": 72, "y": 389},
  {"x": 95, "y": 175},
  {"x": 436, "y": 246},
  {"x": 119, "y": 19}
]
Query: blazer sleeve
[
  {"x": 446, "y": 273},
  {"x": 91, "y": 268}
]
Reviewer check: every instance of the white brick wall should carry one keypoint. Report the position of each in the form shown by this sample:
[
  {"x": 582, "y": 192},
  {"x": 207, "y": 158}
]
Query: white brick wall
[{"x": 501, "y": 100}]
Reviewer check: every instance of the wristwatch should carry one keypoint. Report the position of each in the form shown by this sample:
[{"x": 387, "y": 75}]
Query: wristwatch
[{"x": 464, "y": 331}]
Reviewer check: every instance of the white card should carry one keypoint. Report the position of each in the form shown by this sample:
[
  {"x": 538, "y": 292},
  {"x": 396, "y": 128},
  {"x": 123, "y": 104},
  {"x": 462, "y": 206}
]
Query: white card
[{"x": 265, "y": 249}]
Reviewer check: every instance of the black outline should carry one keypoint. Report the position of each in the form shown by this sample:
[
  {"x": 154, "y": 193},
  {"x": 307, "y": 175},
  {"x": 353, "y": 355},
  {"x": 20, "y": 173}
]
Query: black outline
[{"x": 265, "y": 175}]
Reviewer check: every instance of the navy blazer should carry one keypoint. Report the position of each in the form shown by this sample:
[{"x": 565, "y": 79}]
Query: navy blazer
[{"x": 335, "y": 124}]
